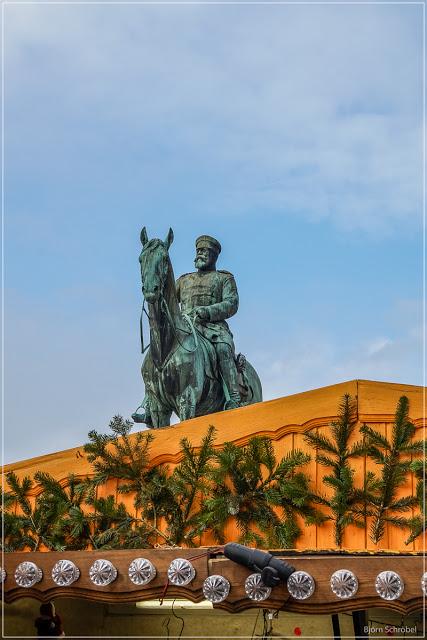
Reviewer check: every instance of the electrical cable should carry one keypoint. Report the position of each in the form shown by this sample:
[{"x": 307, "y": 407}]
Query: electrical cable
[
  {"x": 208, "y": 552},
  {"x": 268, "y": 624},
  {"x": 165, "y": 624},
  {"x": 178, "y": 618},
  {"x": 264, "y": 628},
  {"x": 256, "y": 621}
]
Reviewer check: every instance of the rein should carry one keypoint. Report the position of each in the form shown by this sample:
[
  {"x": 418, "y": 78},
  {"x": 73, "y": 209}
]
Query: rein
[
  {"x": 141, "y": 329},
  {"x": 165, "y": 306}
]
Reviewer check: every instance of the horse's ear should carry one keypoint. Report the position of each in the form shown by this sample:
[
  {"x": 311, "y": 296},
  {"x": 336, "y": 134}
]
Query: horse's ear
[
  {"x": 169, "y": 239},
  {"x": 144, "y": 237}
]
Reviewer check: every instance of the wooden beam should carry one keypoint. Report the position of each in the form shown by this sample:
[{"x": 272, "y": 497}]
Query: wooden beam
[{"x": 208, "y": 561}]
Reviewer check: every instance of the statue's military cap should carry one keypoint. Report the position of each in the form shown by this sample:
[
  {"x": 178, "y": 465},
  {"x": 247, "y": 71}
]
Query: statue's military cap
[{"x": 207, "y": 242}]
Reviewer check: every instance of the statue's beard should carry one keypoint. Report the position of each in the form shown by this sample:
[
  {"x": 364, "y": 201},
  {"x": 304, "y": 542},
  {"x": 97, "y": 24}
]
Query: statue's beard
[{"x": 201, "y": 263}]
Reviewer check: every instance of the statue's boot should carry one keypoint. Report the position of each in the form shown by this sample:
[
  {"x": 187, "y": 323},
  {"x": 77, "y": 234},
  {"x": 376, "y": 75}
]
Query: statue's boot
[
  {"x": 230, "y": 378},
  {"x": 142, "y": 418}
]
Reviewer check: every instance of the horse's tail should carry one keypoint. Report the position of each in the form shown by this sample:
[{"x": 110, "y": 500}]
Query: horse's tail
[{"x": 252, "y": 383}]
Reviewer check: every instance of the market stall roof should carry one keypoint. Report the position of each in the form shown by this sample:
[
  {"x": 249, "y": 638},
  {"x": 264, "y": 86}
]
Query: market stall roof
[{"x": 376, "y": 403}]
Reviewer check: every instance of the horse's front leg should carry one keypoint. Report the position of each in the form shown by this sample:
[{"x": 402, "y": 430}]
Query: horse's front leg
[
  {"x": 160, "y": 415},
  {"x": 187, "y": 403}
]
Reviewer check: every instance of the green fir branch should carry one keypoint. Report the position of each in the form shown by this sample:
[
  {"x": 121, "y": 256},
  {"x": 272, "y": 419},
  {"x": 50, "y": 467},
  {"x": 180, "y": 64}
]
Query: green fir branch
[
  {"x": 335, "y": 452},
  {"x": 181, "y": 495},
  {"x": 263, "y": 496},
  {"x": 392, "y": 457},
  {"x": 418, "y": 523}
]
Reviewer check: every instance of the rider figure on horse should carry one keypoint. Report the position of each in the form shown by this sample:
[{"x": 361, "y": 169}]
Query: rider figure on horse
[{"x": 209, "y": 297}]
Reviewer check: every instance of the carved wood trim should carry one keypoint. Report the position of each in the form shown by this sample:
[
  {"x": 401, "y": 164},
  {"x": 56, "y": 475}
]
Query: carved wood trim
[{"x": 208, "y": 562}]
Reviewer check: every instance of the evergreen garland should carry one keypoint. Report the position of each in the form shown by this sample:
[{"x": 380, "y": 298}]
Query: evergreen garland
[
  {"x": 63, "y": 507},
  {"x": 114, "y": 528},
  {"x": 336, "y": 453},
  {"x": 32, "y": 527},
  {"x": 262, "y": 495},
  {"x": 393, "y": 457},
  {"x": 208, "y": 488},
  {"x": 59, "y": 521},
  {"x": 16, "y": 536},
  {"x": 127, "y": 459},
  {"x": 418, "y": 524},
  {"x": 120, "y": 457},
  {"x": 183, "y": 493},
  {"x": 290, "y": 490}
]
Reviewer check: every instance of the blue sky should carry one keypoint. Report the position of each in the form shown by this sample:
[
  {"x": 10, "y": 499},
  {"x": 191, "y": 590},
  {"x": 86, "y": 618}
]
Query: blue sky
[{"x": 292, "y": 133}]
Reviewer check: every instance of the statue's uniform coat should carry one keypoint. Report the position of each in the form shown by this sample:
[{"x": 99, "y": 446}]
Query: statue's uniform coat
[{"x": 216, "y": 291}]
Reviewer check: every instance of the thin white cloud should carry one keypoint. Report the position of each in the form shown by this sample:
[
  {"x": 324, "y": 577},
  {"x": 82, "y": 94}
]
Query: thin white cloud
[
  {"x": 309, "y": 111},
  {"x": 303, "y": 111},
  {"x": 312, "y": 359},
  {"x": 377, "y": 345}
]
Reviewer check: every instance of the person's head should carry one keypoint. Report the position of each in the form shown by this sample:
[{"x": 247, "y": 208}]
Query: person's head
[{"x": 207, "y": 252}]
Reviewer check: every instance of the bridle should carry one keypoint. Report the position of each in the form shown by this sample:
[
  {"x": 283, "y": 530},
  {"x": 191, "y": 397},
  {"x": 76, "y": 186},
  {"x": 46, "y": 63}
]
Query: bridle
[{"x": 165, "y": 307}]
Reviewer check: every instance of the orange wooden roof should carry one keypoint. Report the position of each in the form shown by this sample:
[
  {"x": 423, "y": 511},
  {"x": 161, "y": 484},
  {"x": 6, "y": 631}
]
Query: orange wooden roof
[{"x": 296, "y": 413}]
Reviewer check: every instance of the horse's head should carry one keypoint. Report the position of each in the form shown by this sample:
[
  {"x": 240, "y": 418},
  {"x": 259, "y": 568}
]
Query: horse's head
[{"x": 155, "y": 265}]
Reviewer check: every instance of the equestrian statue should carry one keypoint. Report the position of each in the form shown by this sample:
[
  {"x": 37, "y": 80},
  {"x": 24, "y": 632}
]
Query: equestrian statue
[{"x": 191, "y": 367}]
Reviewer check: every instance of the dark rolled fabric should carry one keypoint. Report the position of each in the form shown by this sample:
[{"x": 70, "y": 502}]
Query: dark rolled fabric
[{"x": 273, "y": 570}]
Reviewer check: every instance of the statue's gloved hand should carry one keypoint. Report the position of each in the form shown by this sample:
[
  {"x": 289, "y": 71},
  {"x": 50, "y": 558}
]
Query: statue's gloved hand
[{"x": 202, "y": 313}]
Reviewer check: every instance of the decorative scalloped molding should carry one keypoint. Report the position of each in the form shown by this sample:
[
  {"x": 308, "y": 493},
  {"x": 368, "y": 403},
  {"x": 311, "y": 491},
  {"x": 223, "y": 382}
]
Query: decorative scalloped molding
[{"x": 320, "y": 565}]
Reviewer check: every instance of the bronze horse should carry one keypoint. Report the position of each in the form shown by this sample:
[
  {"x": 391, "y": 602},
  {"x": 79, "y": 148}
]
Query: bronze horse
[{"x": 179, "y": 370}]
